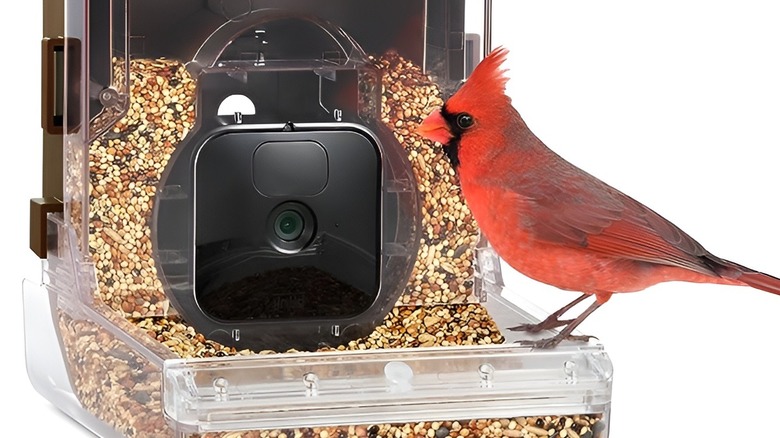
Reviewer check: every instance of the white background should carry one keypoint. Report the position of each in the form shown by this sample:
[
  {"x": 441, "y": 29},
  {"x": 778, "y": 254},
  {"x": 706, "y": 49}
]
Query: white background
[{"x": 676, "y": 103}]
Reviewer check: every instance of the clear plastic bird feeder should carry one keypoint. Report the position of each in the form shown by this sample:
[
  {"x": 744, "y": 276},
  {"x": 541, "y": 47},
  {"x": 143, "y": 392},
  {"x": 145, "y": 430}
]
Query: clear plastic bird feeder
[{"x": 251, "y": 240}]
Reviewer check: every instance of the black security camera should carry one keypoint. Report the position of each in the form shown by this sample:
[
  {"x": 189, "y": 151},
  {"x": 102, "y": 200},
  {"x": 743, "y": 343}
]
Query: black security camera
[{"x": 288, "y": 218}]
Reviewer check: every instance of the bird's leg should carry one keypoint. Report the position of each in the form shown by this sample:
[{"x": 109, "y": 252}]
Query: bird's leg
[
  {"x": 552, "y": 321},
  {"x": 566, "y": 332}
]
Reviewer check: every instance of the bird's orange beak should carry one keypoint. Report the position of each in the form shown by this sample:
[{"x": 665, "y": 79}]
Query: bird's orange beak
[{"x": 435, "y": 128}]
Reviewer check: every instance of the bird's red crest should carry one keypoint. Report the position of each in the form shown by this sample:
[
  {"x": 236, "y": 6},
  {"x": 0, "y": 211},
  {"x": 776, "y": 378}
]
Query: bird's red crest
[{"x": 487, "y": 81}]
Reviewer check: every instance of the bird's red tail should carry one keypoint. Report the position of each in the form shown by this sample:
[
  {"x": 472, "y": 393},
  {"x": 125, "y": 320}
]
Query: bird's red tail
[
  {"x": 761, "y": 281},
  {"x": 734, "y": 272}
]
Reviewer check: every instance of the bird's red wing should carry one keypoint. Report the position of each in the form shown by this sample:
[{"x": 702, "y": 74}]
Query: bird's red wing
[
  {"x": 588, "y": 214},
  {"x": 644, "y": 237}
]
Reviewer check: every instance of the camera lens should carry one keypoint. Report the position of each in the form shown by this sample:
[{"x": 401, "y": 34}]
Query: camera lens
[{"x": 289, "y": 225}]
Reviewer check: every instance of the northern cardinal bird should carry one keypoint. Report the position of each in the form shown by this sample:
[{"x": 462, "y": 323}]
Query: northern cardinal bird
[{"x": 554, "y": 222}]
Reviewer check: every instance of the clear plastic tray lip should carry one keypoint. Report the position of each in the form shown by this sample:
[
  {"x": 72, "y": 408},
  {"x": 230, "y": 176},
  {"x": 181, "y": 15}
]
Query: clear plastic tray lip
[
  {"x": 488, "y": 350},
  {"x": 394, "y": 385}
]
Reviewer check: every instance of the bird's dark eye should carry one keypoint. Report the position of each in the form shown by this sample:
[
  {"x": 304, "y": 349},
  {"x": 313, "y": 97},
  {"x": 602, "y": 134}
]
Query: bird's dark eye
[{"x": 464, "y": 121}]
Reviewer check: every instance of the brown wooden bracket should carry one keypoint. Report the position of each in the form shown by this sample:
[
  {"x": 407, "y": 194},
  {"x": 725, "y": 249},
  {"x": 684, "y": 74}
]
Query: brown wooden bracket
[
  {"x": 39, "y": 234},
  {"x": 60, "y": 59},
  {"x": 52, "y": 82}
]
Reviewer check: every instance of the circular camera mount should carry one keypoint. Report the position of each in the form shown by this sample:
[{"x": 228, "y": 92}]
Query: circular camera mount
[{"x": 290, "y": 227}]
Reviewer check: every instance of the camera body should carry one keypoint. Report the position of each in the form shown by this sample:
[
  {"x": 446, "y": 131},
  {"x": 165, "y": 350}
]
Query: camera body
[{"x": 288, "y": 218}]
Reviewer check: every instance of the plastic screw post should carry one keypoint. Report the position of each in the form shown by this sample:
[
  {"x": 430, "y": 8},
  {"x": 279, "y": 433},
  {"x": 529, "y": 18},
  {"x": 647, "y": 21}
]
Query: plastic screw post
[
  {"x": 312, "y": 384},
  {"x": 486, "y": 373},
  {"x": 220, "y": 388},
  {"x": 570, "y": 369}
]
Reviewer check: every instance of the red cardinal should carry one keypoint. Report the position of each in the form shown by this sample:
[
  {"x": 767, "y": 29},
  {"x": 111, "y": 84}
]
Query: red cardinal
[{"x": 554, "y": 222}]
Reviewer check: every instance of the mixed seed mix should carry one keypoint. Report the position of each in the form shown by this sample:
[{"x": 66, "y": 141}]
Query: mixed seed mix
[
  {"x": 120, "y": 387},
  {"x": 125, "y": 164},
  {"x": 443, "y": 272},
  {"x": 112, "y": 381},
  {"x": 577, "y": 426},
  {"x": 404, "y": 327}
]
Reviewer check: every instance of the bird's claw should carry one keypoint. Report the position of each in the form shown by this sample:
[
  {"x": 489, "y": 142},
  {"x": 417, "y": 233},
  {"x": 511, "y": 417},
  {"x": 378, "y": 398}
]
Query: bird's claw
[
  {"x": 541, "y": 343},
  {"x": 554, "y": 341},
  {"x": 547, "y": 324},
  {"x": 523, "y": 328}
]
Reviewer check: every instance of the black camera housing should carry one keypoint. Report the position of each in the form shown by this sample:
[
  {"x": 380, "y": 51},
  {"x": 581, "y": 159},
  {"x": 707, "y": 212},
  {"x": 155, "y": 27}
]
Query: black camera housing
[{"x": 292, "y": 221}]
